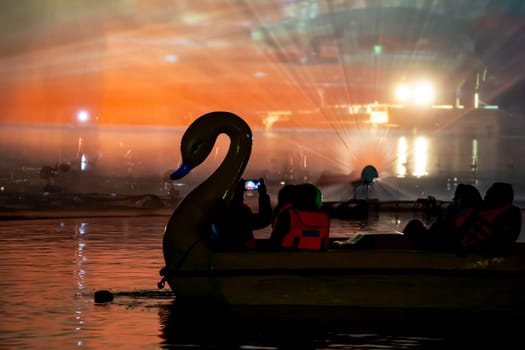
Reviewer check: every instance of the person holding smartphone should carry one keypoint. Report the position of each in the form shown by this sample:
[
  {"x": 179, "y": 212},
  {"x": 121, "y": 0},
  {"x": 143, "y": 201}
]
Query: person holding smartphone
[{"x": 235, "y": 222}]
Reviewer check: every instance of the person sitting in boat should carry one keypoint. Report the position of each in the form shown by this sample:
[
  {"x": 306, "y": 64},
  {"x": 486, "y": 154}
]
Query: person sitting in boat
[
  {"x": 235, "y": 221},
  {"x": 496, "y": 226},
  {"x": 445, "y": 233},
  {"x": 301, "y": 225}
]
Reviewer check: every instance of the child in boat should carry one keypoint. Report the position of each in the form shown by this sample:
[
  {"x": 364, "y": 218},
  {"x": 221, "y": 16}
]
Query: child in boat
[
  {"x": 299, "y": 223},
  {"x": 495, "y": 226},
  {"x": 234, "y": 223}
]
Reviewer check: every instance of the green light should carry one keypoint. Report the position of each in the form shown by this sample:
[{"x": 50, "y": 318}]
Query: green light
[{"x": 378, "y": 49}]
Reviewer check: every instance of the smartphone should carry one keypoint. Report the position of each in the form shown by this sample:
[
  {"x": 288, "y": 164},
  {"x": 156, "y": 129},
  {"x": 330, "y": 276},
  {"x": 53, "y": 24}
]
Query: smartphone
[{"x": 251, "y": 185}]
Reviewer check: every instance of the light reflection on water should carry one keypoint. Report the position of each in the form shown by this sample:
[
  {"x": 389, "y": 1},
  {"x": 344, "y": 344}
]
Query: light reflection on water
[
  {"x": 430, "y": 159},
  {"x": 51, "y": 268}
]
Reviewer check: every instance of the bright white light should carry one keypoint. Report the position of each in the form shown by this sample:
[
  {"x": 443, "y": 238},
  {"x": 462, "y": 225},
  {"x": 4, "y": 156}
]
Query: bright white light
[
  {"x": 83, "y": 163},
  {"x": 171, "y": 58},
  {"x": 402, "y": 157},
  {"x": 420, "y": 157},
  {"x": 403, "y": 93},
  {"x": 474, "y": 155},
  {"x": 378, "y": 117},
  {"x": 83, "y": 116},
  {"x": 423, "y": 94},
  {"x": 81, "y": 230}
]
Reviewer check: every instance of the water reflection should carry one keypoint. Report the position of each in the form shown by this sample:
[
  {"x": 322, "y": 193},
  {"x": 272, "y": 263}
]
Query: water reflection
[
  {"x": 49, "y": 270},
  {"x": 420, "y": 156},
  {"x": 80, "y": 273},
  {"x": 415, "y": 157},
  {"x": 281, "y": 327},
  {"x": 402, "y": 157},
  {"x": 285, "y": 327}
]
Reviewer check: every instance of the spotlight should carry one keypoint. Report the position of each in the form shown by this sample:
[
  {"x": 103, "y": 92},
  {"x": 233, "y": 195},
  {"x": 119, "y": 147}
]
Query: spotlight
[
  {"x": 423, "y": 94},
  {"x": 403, "y": 93},
  {"x": 83, "y": 116}
]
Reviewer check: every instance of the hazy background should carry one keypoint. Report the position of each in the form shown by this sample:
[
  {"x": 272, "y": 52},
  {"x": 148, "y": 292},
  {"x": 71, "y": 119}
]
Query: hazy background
[{"x": 108, "y": 87}]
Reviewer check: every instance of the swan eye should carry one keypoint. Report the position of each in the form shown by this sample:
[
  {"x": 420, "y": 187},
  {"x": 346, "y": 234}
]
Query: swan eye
[{"x": 195, "y": 147}]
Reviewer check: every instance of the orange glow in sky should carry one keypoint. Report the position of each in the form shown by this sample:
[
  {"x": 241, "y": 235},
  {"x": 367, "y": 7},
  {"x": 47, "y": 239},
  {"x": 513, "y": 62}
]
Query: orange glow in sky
[{"x": 167, "y": 62}]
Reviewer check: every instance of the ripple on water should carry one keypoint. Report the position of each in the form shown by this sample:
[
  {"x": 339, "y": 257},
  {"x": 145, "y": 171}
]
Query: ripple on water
[{"x": 49, "y": 270}]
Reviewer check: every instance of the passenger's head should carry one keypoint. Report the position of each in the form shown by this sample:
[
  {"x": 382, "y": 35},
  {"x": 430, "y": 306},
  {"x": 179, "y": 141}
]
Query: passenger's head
[
  {"x": 467, "y": 196},
  {"x": 500, "y": 193},
  {"x": 308, "y": 197},
  {"x": 285, "y": 195}
]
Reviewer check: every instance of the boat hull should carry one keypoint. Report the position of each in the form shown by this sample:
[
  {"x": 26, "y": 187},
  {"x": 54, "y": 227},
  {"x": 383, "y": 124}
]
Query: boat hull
[{"x": 371, "y": 279}]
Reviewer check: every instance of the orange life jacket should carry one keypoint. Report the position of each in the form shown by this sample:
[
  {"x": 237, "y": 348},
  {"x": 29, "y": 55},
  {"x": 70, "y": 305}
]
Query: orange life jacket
[
  {"x": 308, "y": 230},
  {"x": 482, "y": 227}
]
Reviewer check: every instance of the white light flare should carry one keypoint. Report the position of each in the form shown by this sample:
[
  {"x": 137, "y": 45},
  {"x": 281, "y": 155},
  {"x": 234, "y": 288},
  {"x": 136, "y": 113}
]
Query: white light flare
[
  {"x": 423, "y": 94},
  {"x": 420, "y": 94},
  {"x": 83, "y": 116},
  {"x": 403, "y": 93}
]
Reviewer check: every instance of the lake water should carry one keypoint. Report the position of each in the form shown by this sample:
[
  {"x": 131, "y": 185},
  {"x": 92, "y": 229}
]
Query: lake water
[{"x": 50, "y": 269}]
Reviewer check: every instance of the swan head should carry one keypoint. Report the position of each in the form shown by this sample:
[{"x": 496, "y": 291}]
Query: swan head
[
  {"x": 196, "y": 144},
  {"x": 199, "y": 139}
]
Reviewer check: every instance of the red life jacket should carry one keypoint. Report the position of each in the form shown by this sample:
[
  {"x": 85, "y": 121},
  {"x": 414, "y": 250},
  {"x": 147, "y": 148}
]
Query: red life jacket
[
  {"x": 482, "y": 227},
  {"x": 283, "y": 209},
  {"x": 308, "y": 230},
  {"x": 463, "y": 216}
]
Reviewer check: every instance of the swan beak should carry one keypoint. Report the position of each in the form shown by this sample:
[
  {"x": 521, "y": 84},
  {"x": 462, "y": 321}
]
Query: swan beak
[{"x": 182, "y": 171}]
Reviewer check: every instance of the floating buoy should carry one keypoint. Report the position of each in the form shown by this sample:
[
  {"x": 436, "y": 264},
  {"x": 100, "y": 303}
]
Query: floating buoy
[{"x": 103, "y": 296}]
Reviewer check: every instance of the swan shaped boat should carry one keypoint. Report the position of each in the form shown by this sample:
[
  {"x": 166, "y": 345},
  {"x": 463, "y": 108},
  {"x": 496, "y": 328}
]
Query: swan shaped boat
[{"x": 386, "y": 275}]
